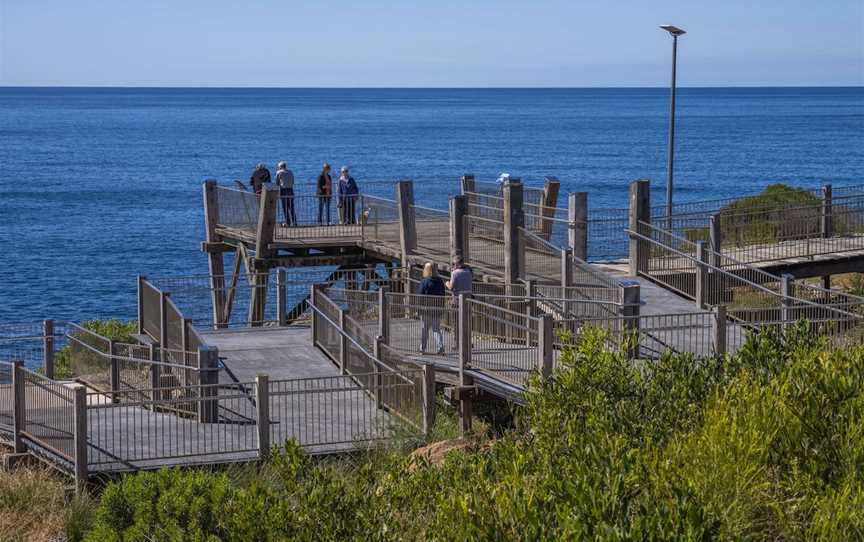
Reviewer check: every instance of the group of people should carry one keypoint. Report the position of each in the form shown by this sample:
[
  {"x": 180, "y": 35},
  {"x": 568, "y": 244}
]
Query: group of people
[
  {"x": 433, "y": 285},
  {"x": 347, "y": 192}
]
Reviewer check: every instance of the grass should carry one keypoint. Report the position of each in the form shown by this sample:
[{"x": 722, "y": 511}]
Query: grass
[{"x": 34, "y": 506}]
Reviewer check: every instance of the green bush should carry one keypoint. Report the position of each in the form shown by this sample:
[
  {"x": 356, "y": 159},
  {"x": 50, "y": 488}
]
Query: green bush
[
  {"x": 765, "y": 444},
  {"x": 67, "y": 358}
]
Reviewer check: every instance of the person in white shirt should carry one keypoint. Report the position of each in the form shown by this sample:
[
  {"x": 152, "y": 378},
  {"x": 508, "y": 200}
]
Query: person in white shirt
[{"x": 285, "y": 181}]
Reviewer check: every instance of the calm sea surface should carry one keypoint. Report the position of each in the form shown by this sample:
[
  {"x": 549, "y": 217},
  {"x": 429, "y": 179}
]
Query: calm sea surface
[{"x": 99, "y": 185}]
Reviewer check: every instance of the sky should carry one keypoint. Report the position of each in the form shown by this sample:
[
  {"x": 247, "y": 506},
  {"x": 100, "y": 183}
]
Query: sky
[{"x": 445, "y": 43}]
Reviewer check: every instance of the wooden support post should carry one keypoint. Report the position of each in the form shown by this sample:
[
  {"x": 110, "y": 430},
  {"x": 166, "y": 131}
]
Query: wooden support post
[
  {"x": 701, "y": 278},
  {"x": 383, "y": 315},
  {"x": 407, "y": 220},
  {"x": 716, "y": 240},
  {"x": 263, "y": 251},
  {"x": 428, "y": 399},
  {"x": 215, "y": 260},
  {"x": 48, "y": 347},
  {"x": 827, "y": 214},
  {"x": 567, "y": 280},
  {"x": 787, "y": 286},
  {"x": 551, "y": 187},
  {"x": 262, "y": 415},
  {"x": 466, "y": 184},
  {"x": 458, "y": 234},
  {"x": 545, "y": 339},
  {"x": 282, "y": 297},
  {"x": 531, "y": 292},
  {"x": 154, "y": 372},
  {"x": 630, "y": 311},
  {"x": 114, "y": 373},
  {"x": 343, "y": 343},
  {"x": 514, "y": 219},
  {"x": 718, "y": 330},
  {"x": 826, "y": 282},
  {"x": 141, "y": 280},
  {"x": 640, "y": 211},
  {"x": 80, "y": 436},
  {"x": 19, "y": 406},
  {"x": 577, "y": 216},
  {"x": 464, "y": 364},
  {"x": 208, "y": 378}
]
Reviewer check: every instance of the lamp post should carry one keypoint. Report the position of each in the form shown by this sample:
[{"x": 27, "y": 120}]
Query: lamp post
[{"x": 675, "y": 32}]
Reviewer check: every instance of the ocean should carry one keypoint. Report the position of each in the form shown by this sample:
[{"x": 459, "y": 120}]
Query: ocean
[{"x": 99, "y": 185}]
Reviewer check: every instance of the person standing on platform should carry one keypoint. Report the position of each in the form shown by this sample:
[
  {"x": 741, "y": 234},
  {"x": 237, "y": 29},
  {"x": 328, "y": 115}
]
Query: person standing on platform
[
  {"x": 324, "y": 193},
  {"x": 460, "y": 279},
  {"x": 259, "y": 178},
  {"x": 348, "y": 192},
  {"x": 285, "y": 180},
  {"x": 432, "y": 307}
]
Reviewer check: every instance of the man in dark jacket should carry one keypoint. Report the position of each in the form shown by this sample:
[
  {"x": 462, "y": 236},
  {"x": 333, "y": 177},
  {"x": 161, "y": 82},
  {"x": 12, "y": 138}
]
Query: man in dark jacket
[
  {"x": 432, "y": 303},
  {"x": 259, "y": 178}
]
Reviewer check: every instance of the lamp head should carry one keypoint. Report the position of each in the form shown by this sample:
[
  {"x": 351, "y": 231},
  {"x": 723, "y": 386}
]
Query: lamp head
[{"x": 674, "y": 30}]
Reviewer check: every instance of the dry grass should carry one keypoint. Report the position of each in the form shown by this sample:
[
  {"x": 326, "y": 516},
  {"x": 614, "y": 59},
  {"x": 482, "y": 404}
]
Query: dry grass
[{"x": 32, "y": 504}]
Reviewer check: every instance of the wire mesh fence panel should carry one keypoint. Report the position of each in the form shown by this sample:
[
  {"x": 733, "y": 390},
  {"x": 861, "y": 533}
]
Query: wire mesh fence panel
[
  {"x": 433, "y": 230},
  {"x": 485, "y": 242},
  {"x": 140, "y": 433},
  {"x": 504, "y": 342},
  {"x": 382, "y": 220},
  {"x": 422, "y": 323},
  {"x": 326, "y": 414},
  {"x": 49, "y": 414},
  {"x": 89, "y": 357},
  {"x": 6, "y": 400},
  {"x": 362, "y": 305},
  {"x": 151, "y": 307},
  {"x": 237, "y": 208},
  {"x": 327, "y": 335},
  {"x": 542, "y": 259},
  {"x": 314, "y": 217}
]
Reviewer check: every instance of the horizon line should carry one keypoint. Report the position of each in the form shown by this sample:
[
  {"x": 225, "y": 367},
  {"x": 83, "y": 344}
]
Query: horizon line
[{"x": 417, "y": 87}]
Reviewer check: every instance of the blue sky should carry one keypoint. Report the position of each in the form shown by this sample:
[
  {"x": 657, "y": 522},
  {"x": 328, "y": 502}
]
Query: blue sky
[{"x": 443, "y": 43}]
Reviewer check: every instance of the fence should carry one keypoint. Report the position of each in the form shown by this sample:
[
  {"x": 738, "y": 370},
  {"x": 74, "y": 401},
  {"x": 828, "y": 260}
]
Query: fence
[
  {"x": 237, "y": 208},
  {"x": 382, "y": 221},
  {"x": 433, "y": 230},
  {"x": 485, "y": 242}
]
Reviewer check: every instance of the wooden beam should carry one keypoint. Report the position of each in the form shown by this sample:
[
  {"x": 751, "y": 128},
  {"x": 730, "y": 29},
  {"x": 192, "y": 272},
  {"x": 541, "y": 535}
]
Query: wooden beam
[
  {"x": 215, "y": 260},
  {"x": 266, "y": 222},
  {"x": 577, "y": 216},
  {"x": 514, "y": 218},
  {"x": 458, "y": 235},
  {"x": 407, "y": 220},
  {"x": 551, "y": 188},
  {"x": 640, "y": 211}
]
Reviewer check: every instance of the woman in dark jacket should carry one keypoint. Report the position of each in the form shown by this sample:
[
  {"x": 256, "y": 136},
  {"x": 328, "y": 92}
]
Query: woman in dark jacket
[
  {"x": 430, "y": 315},
  {"x": 324, "y": 193}
]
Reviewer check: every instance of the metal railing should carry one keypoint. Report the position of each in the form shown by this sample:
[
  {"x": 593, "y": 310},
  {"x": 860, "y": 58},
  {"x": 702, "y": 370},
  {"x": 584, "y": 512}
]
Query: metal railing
[
  {"x": 381, "y": 221},
  {"x": 485, "y": 242},
  {"x": 433, "y": 230}
]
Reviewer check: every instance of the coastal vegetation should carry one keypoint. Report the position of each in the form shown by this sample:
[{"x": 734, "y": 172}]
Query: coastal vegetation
[{"x": 763, "y": 444}]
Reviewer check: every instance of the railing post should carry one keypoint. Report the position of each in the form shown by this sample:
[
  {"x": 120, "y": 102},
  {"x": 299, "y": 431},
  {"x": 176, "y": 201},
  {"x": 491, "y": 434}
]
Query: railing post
[
  {"x": 114, "y": 373},
  {"x": 718, "y": 330},
  {"x": 551, "y": 187},
  {"x": 19, "y": 406},
  {"x": 566, "y": 280},
  {"x": 282, "y": 297},
  {"x": 701, "y": 275},
  {"x": 531, "y": 305},
  {"x": 428, "y": 399},
  {"x": 787, "y": 284},
  {"x": 262, "y": 415},
  {"x": 315, "y": 324},
  {"x": 163, "y": 323},
  {"x": 208, "y": 377},
  {"x": 466, "y": 184},
  {"x": 514, "y": 218},
  {"x": 343, "y": 343},
  {"x": 407, "y": 220},
  {"x": 827, "y": 214},
  {"x": 577, "y": 216},
  {"x": 640, "y": 211},
  {"x": 48, "y": 347},
  {"x": 716, "y": 239},
  {"x": 141, "y": 280},
  {"x": 80, "y": 436},
  {"x": 464, "y": 364},
  {"x": 630, "y": 312},
  {"x": 383, "y": 315},
  {"x": 379, "y": 374},
  {"x": 545, "y": 341},
  {"x": 458, "y": 210}
]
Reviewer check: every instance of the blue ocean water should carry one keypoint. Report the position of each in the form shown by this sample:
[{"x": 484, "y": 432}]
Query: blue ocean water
[{"x": 98, "y": 185}]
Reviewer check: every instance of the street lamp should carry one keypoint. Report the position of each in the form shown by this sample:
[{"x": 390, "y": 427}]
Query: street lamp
[{"x": 675, "y": 31}]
